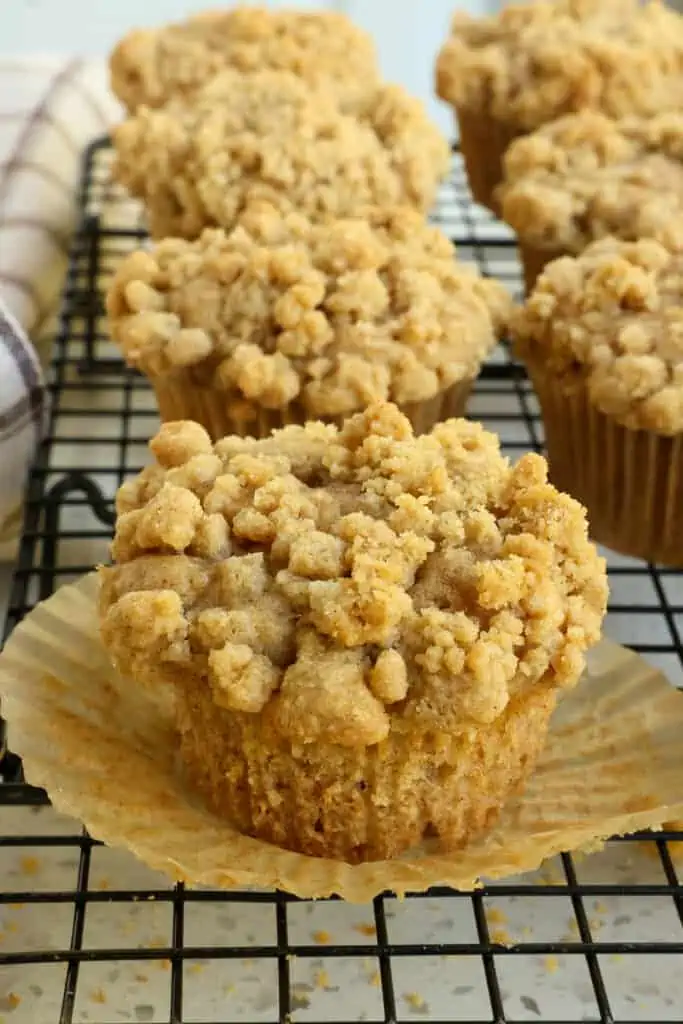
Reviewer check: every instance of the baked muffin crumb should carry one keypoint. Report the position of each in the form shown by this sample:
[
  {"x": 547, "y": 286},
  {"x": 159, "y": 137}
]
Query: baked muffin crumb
[
  {"x": 327, "y": 611},
  {"x": 586, "y": 176},
  {"x": 535, "y": 61},
  {"x": 331, "y": 316},
  {"x": 150, "y": 67},
  {"x": 268, "y": 135},
  {"x": 612, "y": 318}
]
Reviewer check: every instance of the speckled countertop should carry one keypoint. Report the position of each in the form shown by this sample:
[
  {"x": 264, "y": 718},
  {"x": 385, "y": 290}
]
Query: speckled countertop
[{"x": 438, "y": 987}]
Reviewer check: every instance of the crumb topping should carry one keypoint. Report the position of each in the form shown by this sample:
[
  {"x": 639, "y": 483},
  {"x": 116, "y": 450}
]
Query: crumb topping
[
  {"x": 270, "y": 136},
  {"x": 149, "y": 67},
  {"x": 535, "y": 61},
  {"x": 613, "y": 319},
  {"x": 586, "y": 176},
  {"x": 361, "y": 578},
  {"x": 331, "y": 316}
]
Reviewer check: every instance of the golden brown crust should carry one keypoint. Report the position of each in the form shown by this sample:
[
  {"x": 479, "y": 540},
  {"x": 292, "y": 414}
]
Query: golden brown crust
[
  {"x": 350, "y": 583},
  {"x": 587, "y": 176},
  {"x": 331, "y": 317},
  {"x": 612, "y": 320},
  {"x": 269, "y": 136},
  {"x": 359, "y": 804},
  {"x": 325, "y": 49},
  {"x": 535, "y": 61}
]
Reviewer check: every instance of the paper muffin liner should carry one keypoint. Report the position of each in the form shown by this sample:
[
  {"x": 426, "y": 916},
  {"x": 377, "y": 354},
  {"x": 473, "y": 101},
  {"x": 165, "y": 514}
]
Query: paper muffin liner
[
  {"x": 631, "y": 481},
  {"x": 535, "y": 260},
  {"x": 483, "y": 141},
  {"x": 179, "y": 397},
  {"x": 105, "y": 749}
]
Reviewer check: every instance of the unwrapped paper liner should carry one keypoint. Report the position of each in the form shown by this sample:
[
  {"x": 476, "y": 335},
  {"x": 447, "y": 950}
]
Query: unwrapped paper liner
[{"x": 105, "y": 750}]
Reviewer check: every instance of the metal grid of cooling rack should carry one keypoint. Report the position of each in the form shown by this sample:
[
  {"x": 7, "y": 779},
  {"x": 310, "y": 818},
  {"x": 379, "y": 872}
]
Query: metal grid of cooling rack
[{"x": 443, "y": 956}]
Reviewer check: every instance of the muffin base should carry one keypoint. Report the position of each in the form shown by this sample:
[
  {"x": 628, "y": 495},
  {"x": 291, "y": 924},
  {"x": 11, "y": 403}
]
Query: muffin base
[
  {"x": 631, "y": 481},
  {"x": 179, "y": 398},
  {"x": 534, "y": 261},
  {"x": 483, "y": 142},
  {"x": 359, "y": 804}
]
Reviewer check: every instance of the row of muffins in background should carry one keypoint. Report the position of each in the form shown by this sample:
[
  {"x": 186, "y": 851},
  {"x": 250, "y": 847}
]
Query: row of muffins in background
[
  {"x": 571, "y": 127},
  {"x": 238, "y": 331},
  {"x": 366, "y": 616},
  {"x": 302, "y": 289},
  {"x": 295, "y": 275},
  {"x": 570, "y": 120}
]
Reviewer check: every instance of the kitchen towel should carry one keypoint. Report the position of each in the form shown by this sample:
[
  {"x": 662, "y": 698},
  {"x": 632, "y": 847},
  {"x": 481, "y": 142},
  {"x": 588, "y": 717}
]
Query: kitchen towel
[{"x": 50, "y": 109}]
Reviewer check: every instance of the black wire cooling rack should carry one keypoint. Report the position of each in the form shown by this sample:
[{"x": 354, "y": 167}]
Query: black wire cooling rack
[{"x": 599, "y": 938}]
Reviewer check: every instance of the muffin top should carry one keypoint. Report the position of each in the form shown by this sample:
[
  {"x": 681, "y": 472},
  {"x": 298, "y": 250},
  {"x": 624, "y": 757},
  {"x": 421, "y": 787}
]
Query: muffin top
[
  {"x": 586, "y": 176},
  {"x": 270, "y": 136},
  {"x": 332, "y": 316},
  {"x": 536, "y": 61},
  {"x": 344, "y": 582},
  {"x": 612, "y": 319},
  {"x": 149, "y": 67}
]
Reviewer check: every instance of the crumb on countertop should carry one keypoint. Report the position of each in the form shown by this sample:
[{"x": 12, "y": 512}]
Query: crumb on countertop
[
  {"x": 370, "y": 930},
  {"x": 494, "y": 915},
  {"x": 415, "y": 1002},
  {"x": 501, "y": 937},
  {"x": 321, "y": 978}
]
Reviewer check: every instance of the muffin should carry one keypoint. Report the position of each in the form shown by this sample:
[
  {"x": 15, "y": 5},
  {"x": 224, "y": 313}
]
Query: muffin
[
  {"x": 585, "y": 177},
  {"x": 602, "y": 338},
  {"x": 508, "y": 74},
  {"x": 284, "y": 320},
  {"x": 270, "y": 136},
  {"x": 365, "y": 631},
  {"x": 150, "y": 67}
]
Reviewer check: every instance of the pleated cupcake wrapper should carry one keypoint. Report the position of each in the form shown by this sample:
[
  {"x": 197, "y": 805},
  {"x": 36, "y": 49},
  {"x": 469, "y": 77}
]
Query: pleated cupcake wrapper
[
  {"x": 534, "y": 261},
  {"x": 105, "y": 750},
  {"x": 631, "y": 481},
  {"x": 181, "y": 399},
  {"x": 483, "y": 141}
]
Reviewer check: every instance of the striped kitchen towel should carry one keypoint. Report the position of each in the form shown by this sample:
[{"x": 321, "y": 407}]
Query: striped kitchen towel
[{"x": 49, "y": 110}]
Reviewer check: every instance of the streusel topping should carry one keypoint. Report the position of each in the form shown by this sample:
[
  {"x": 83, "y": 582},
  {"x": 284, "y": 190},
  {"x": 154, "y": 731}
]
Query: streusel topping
[
  {"x": 325, "y": 48},
  {"x": 339, "y": 580},
  {"x": 535, "y": 61},
  {"x": 612, "y": 318},
  {"x": 585, "y": 176},
  {"x": 332, "y": 316},
  {"x": 270, "y": 136}
]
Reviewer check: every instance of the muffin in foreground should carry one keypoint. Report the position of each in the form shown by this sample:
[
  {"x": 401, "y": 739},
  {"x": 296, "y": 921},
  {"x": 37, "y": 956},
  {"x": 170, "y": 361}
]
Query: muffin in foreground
[
  {"x": 366, "y": 631},
  {"x": 268, "y": 135},
  {"x": 150, "y": 67},
  {"x": 585, "y": 177},
  {"x": 285, "y": 320},
  {"x": 602, "y": 338},
  {"x": 508, "y": 74}
]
